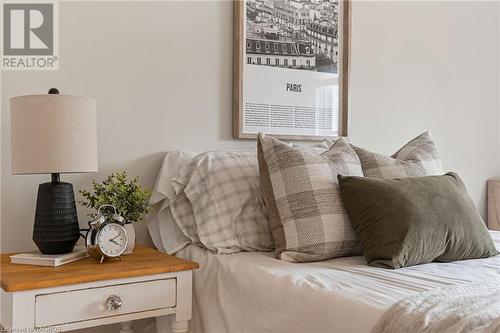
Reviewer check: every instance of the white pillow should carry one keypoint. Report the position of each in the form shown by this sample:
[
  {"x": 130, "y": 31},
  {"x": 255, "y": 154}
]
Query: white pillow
[
  {"x": 225, "y": 194},
  {"x": 172, "y": 223},
  {"x": 162, "y": 225},
  {"x": 182, "y": 212}
]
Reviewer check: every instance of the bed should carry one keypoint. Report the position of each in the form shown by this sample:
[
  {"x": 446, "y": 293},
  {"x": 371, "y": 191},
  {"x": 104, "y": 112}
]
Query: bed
[{"x": 254, "y": 292}]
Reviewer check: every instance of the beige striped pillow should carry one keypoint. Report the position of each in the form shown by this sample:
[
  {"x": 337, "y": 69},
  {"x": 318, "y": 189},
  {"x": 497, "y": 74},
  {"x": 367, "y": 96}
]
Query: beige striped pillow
[
  {"x": 301, "y": 192},
  {"x": 417, "y": 158},
  {"x": 229, "y": 211}
]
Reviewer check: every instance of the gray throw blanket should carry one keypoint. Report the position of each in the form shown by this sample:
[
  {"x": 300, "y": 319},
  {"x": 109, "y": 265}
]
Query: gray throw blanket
[{"x": 469, "y": 307}]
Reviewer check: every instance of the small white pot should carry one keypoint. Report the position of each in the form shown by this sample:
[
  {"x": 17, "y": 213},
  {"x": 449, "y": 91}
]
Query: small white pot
[{"x": 129, "y": 227}]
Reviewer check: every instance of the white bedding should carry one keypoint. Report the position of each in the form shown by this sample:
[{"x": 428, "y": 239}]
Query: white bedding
[
  {"x": 462, "y": 308},
  {"x": 253, "y": 292}
]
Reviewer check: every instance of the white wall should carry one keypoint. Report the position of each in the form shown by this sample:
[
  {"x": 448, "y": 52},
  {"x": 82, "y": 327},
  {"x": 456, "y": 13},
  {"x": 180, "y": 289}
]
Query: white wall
[
  {"x": 429, "y": 65},
  {"x": 161, "y": 74}
]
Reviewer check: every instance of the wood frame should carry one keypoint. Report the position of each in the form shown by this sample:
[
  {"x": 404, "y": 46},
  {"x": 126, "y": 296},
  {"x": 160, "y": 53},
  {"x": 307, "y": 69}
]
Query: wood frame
[{"x": 344, "y": 74}]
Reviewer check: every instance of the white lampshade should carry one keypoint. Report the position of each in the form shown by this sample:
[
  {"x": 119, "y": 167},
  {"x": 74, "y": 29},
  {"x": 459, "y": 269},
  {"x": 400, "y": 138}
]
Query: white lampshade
[{"x": 53, "y": 134}]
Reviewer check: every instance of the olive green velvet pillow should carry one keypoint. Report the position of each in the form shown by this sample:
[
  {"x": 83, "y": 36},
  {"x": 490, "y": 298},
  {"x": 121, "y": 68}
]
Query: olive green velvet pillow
[{"x": 409, "y": 221}]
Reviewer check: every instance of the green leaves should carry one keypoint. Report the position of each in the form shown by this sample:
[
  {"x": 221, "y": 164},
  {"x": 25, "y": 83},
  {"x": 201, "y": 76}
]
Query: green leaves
[{"x": 130, "y": 200}]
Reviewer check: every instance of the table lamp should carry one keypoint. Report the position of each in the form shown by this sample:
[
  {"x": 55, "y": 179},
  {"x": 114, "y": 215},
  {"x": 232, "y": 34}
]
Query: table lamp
[{"x": 54, "y": 134}]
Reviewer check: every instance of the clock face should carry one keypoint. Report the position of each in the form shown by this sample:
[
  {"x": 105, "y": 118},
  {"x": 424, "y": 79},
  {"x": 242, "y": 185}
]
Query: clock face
[{"x": 112, "y": 239}]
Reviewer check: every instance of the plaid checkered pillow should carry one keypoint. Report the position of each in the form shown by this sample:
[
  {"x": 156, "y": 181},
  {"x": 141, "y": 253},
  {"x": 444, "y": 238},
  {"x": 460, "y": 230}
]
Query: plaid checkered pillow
[
  {"x": 182, "y": 212},
  {"x": 179, "y": 205},
  {"x": 226, "y": 198},
  {"x": 417, "y": 158},
  {"x": 307, "y": 216}
]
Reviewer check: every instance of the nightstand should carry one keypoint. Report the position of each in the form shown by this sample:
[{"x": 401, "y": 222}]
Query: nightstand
[{"x": 85, "y": 293}]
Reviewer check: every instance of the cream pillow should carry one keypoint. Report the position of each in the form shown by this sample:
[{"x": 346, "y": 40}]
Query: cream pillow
[
  {"x": 417, "y": 158},
  {"x": 227, "y": 203},
  {"x": 300, "y": 188}
]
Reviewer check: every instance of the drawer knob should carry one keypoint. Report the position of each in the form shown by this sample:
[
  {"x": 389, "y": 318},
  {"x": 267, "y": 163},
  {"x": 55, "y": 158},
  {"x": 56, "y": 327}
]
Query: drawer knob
[{"x": 114, "y": 302}]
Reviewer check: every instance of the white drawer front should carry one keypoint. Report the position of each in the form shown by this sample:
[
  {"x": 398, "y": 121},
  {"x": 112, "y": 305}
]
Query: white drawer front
[{"x": 85, "y": 304}]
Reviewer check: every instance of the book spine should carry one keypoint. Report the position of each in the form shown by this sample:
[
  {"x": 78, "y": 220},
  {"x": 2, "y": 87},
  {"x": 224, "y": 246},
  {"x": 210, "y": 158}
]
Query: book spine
[
  {"x": 74, "y": 257},
  {"x": 32, "y": 262}
]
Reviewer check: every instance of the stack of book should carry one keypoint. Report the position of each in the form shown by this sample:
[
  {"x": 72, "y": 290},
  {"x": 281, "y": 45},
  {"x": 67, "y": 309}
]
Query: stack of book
[{"x": 39, "y": 259}]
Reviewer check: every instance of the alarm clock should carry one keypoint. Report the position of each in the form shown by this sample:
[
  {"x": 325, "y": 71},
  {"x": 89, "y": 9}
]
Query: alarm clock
[{"x": 106, "y": 237}]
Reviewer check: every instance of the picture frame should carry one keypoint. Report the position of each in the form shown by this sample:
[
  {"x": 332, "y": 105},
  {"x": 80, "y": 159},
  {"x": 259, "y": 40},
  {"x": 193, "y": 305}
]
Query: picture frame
[{"x": 284, "y": 115}]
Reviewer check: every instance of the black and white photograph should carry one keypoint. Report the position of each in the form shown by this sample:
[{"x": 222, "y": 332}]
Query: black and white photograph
[
  {"x": 291, "y": 59},
  {"x": 300, "y": 34}
]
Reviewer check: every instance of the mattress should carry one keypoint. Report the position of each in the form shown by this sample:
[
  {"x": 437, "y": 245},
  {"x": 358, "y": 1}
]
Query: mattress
[{"x": 253, "y": 292}]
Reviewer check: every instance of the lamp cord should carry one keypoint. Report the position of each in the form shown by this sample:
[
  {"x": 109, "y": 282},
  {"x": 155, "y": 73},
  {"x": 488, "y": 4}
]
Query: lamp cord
[{"x": 82, "y": 235}]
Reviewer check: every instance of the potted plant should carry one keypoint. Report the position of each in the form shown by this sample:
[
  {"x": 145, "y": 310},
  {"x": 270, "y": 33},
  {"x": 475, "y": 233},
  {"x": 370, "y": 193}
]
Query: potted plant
[{"x": 127, "y": 196}]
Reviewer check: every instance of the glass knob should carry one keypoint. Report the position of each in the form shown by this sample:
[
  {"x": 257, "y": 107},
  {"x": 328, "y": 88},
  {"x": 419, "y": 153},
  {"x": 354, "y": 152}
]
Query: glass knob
[{"x": 113, "y": 302}]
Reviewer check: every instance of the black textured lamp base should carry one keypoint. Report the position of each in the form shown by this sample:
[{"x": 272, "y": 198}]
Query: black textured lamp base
[{"x": 56, "y": 228}]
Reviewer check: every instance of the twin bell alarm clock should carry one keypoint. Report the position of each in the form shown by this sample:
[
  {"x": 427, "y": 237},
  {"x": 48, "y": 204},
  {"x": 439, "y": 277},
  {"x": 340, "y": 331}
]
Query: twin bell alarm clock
[{"x": 106, "y": 237}]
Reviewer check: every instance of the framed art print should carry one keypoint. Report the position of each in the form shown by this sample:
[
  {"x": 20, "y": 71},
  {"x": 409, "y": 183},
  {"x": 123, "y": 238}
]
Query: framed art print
[{"x": 291, "y": 68}]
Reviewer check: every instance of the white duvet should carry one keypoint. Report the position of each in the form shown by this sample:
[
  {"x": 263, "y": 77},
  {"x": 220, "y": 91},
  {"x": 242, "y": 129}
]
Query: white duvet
[
  {"x": 253, "y": 292},
  {"x": 462, "y": 308}
]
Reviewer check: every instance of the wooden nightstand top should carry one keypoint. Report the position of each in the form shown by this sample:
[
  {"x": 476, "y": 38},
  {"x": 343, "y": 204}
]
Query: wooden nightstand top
[{"x": 144, "y": 261}]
